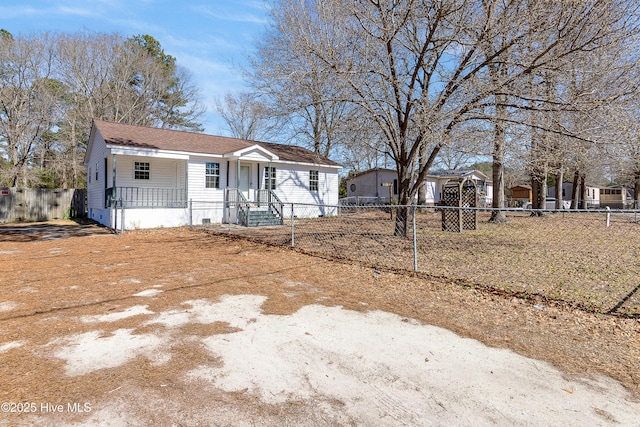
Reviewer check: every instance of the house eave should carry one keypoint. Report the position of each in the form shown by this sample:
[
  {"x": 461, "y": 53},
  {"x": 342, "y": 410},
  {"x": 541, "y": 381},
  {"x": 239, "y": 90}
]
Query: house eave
[
  {"x": 147, "y": 152},
  {"x": 322, "y": 165}
]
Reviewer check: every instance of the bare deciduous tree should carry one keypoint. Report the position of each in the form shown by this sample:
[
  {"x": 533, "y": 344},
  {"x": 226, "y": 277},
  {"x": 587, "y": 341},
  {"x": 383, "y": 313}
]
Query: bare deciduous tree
[
  {"x": 310, "y": 109},
  {"x": 52, "y": 86},
  {"x": 26, "y": 100},
  {"x": 421, "y": 69},
  {"x": 248, "y": 117}
]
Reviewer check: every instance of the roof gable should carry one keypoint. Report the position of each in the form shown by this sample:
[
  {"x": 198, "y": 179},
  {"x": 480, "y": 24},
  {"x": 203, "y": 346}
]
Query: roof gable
[
  {"x": 146, "y": 138},
  {"x": 254, "y": 152},
  {"x": 459, "y": 173}
]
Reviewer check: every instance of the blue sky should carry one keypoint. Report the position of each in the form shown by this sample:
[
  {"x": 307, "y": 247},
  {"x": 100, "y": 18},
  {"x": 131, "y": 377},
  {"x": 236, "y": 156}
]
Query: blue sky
[{"x": 210, "y": 38}]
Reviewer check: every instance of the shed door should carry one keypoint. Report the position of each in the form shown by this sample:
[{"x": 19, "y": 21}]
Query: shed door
[{"x": 244, "y": 181}]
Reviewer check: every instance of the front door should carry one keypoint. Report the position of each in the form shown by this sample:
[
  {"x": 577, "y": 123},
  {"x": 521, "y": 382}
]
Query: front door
[{"x": 244, "y": 181}]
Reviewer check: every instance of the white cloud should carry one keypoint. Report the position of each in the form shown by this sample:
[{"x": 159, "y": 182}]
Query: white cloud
[
  {"x": 218, "y": 15},
  {"x": 19, "y": 11},
  {"x": 135, "y": 26},
  {"x": 75, "y": 11}
]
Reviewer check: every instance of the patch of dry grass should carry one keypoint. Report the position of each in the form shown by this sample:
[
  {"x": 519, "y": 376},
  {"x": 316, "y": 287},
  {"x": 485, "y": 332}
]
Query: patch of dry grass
[{"x": 570, "y": 257}]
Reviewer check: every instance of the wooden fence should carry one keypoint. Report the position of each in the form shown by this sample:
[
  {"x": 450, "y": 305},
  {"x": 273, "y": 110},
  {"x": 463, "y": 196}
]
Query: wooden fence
[{"x": 41, "y": 204}]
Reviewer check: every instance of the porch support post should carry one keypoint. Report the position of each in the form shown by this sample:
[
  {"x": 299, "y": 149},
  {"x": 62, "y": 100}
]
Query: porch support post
[
  {"x": 238, "y": 174},
  {"x": 113, "y": 176},
  {"x": 186, "y": 180},
  {"x": 114, "y": 195}
]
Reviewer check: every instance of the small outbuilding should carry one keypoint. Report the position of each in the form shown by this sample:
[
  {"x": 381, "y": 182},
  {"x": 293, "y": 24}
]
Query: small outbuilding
[
  {"x": 519, "y": 195},
  {"x": 369, "y": 186}
]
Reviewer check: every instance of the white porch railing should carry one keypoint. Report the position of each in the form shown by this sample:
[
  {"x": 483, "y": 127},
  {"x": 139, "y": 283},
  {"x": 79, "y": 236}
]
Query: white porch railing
[{"x": 141, "y": 197}]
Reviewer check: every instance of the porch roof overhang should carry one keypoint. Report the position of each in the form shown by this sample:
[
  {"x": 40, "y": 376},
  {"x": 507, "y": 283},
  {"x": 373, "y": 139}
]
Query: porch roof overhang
[{"x": 254, "y": 152}]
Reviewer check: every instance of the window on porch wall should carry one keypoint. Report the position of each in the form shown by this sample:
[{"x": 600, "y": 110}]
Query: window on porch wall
[
  {"x": 142, "y": 170},
  {"x": 212, "y": 175},
  {"x": 269, "y": 178}
]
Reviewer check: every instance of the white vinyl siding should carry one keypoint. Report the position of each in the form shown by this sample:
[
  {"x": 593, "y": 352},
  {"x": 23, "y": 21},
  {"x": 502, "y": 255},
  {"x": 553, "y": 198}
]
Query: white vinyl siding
[
  {"x": 95, "y": 188},
  {"x": 292, "y": 185},
  {"x": 164, "y": 173},
  {"x": 197, "y": 179}
]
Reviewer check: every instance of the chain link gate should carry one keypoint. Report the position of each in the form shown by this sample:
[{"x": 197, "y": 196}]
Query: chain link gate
[{"x": 460, "y": 194}]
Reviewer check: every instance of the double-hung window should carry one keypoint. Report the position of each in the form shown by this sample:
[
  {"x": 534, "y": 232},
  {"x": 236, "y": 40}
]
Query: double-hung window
[
  {"x": 313, "y": 180},
  {"x": 270, "y": 178},
  {"x": 141, "y": 170},
  {"x": 212, "y": 175}
]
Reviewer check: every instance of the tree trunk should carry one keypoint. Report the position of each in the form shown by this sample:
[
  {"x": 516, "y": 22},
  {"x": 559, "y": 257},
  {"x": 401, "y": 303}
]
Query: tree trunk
[
  {"x": 535, "y": 193},
  {"x": 574, "y": 191},
  {"x": 499, "y": 141},
  {"x": 636, "y": 189},
  {"x": 544, "y": 187},
  {"x": 583, "y": 193},
  {"x": 422, "y": 190},
  {"x": 74, "y": 157},
  {"x": 559, "y": 191},
  {"x": 402, "y": 211},
  {"x": 538, "y": 193}
]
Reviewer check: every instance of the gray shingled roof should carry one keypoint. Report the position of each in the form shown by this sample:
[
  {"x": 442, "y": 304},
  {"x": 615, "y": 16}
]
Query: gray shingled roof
[{"x": 189, "y": 142}]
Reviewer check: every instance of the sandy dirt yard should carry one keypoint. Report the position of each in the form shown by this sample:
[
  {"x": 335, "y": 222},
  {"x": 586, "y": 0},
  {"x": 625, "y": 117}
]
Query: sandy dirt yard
[{"x": 185, "y": 327}]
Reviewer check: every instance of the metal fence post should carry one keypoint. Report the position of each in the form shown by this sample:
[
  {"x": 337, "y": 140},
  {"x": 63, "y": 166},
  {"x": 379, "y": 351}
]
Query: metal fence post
[
  {"x": 190, "y": 212},
  {"x": 608, "y": 216},
  {"x": 415, "y": 241},
  {"x": 293, "y": 235}
]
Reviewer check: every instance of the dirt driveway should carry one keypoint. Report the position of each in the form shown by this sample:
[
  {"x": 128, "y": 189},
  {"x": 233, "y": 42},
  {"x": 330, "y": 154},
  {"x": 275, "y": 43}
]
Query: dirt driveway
[{"x": 180, "y": 327}]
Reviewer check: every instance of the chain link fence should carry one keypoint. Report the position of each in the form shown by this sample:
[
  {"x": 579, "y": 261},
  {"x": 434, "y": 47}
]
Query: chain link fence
[{"x": 585, "y": 258}]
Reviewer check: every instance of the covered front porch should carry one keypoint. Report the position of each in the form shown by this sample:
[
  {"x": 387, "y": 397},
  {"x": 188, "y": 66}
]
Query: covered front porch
[
  {"x": 234, "y": 188},
  {"x": 133, "y": 180},
  {"x": 249, "y": 197}
]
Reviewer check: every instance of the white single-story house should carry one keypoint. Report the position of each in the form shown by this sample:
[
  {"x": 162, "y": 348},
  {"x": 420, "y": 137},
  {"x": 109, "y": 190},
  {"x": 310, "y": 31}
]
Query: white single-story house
[
  {"x": 437, "y": 179},
  {"x": 140, "y": 177},
  {"x": 373, "y": 185},
  {"x": 592, "y": 194}
]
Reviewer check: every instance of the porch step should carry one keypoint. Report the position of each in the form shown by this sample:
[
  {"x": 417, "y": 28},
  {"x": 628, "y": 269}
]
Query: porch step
[{"x": 262, "y": 217}]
